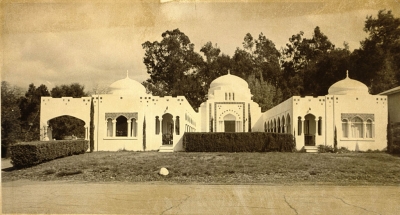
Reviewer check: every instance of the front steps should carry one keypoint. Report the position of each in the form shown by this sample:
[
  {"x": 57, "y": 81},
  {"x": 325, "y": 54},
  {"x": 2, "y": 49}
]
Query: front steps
[
  {"x": 311, "y": 149},
  {"x": 166, "y": 148}
]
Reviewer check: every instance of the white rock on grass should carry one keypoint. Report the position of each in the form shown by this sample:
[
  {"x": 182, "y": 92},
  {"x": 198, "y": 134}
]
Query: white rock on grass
[{"x": 163, "y": 171}]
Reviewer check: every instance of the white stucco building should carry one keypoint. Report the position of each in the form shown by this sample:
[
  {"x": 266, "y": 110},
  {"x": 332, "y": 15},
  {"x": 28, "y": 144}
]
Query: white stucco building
[
  {"x": 229, "y": 107},
  {"x": 129, "y": 118},
  {"x": 359, "y": 119}
]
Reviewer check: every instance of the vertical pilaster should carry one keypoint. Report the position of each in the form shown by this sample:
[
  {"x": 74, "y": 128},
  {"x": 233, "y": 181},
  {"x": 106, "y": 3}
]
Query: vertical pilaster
[
  {"x": 129, "y": 134},
  {"x": 114, "y": 127}
]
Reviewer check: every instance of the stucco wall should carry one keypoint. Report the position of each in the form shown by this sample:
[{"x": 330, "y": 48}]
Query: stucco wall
[{"x": 394, "y": 107}]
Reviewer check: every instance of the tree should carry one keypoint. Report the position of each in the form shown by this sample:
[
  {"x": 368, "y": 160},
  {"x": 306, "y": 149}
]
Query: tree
[
  {"x": 377, "y": 62},
  {"x": 258, "y": 63},
  {"x": 216, "y": 65},
  {"x": 74, "y": 90},
  {"x": 91, "y": 140},
  {"x": 301, "y": 64},
  {"x": 10, "y": 117},
  {"x": 30, "y": 111},
  {"x": 170, "y": 63}
]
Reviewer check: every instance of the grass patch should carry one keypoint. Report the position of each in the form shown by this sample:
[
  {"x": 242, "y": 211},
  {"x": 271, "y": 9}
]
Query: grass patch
[
  {"x": 67, "y": 173},
  {"x": 224, "y": 168}
]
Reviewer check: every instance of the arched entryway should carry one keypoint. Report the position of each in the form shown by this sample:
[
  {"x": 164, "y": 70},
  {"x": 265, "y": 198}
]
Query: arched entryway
[
  {"x": 167, "y": 129},
  {"x": 310, "y": 128},
  {"x": 66, "y": 127},
  {"x": 229, "y": 123}
]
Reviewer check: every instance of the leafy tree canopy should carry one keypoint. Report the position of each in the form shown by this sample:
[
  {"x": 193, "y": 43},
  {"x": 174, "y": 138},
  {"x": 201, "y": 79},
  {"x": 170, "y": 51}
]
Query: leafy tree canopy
[
  {"x": 377, "y": 62},
  {"x": 173, "y": 66},
  {"x": 10, "y": 116},
  {"x": 73, "y": 90}
]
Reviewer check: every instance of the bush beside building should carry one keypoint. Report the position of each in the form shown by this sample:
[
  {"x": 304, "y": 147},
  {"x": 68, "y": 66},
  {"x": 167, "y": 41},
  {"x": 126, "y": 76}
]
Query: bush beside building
[
  {"x": 238, "y": 142},
  {"x": 33, "y": 153}
]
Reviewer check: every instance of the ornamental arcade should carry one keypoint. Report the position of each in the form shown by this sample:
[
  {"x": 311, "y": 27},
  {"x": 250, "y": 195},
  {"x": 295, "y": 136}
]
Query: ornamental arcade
[{"x": 131, "y": 119}]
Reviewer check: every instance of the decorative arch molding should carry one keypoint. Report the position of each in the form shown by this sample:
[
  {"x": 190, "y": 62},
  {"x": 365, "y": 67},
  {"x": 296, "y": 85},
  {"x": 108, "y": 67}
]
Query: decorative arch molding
[
  {"x": 241, "y": 106},
  {"x": 363, "y": 116},
  {"x": 227, "y": 112},
  {"x": 86, "y": 121},
  {"x": 125, "y": 114}
]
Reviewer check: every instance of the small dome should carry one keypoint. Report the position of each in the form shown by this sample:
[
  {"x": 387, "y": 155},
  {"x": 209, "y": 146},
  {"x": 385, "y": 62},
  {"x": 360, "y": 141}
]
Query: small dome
[
  {"x": 348, "y": 86},
  {"x": 229, "y": 80},
  {"x": 127, "y": 86}
]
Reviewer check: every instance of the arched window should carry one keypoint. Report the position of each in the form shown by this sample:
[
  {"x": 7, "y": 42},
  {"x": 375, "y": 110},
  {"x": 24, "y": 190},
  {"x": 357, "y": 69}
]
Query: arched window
[
  {"x": 134, "y": 128},
  {"x": 229, "y": 96},
  {"x": 356, "y": 128},
  {"x": 320, "y": 126},
  {"x": 226, "y": 96},
  {"x": 265, "y": 126},
  {"x": 122, "y": 127},
  {"x": 345, "y": 129},
  {"x": 157, "y": 125},
  {"x": 369, "y": 128},
  {"x": 279, "y": 125},
  {"x": 177, "y": 125},
  {"x": 299, "y": 126},
  {"x": 288, "y": 127},
  {"x": 233, "y": 96}
]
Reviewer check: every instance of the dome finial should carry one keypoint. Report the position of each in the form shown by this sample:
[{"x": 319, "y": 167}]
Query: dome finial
[
  {"x": 127, "y": 73},
  {"x": 347, "y": 73},
  {"x": 229, "y": 71}
]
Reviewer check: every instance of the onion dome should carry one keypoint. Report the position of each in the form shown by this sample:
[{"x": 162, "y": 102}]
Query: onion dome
[
  {"x": 229, "y": 80},
  {"x": 127, "y": 86},
  {"x": 348, "y": 86}
]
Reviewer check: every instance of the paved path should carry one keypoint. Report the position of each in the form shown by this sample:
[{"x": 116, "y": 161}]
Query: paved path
[{"x": 144, "y": 198}]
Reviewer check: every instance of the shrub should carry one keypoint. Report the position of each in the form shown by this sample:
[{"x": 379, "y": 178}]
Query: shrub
[
  {"x": 238, "y": 142},
  {"x": 325, "y": 149},
  {"x": 33, "y": 153},
  {"x": 343, "y": 150}
]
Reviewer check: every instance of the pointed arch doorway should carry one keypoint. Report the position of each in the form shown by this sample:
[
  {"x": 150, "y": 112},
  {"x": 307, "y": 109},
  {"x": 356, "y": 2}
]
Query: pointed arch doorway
[{"x": 230, "y": 123}]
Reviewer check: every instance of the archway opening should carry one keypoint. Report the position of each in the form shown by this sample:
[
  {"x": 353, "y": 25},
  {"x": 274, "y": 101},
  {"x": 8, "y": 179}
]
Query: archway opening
[
  {"x": 122, "y": 127},
  {"x": 167, "y": 129},
  {"x": 229, "y": 123},
  {"x": 310, "y": 129},
  {"x": 66, "y": 128}
]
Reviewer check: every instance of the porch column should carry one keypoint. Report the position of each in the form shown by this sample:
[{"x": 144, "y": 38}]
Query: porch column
[
  {"x": 364, "y": 132},
  {"x": 348, "y": 125},
  {"x": 114, "y": 127},
  {"x": 86, "y": 132},
  {"x": 129, "y": 122},
  {"x": 45, "y": 135}
]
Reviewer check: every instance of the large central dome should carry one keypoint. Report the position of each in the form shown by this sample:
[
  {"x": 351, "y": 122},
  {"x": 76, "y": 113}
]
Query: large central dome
[
  {"x": 348, "y": 86},
  {"x": 229, "y": 80},
  {"x": 127, "y": 86}
]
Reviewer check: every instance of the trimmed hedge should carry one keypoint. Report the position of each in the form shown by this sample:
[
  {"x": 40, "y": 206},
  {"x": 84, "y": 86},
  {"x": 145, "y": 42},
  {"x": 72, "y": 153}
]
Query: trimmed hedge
[
  {"x": 32, "y": 153},
  {"x": 238, "y": 142}
]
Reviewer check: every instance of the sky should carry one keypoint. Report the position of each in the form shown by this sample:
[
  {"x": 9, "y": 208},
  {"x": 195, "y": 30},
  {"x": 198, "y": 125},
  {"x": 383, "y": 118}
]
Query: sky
[{"x": 94, "y": 42}]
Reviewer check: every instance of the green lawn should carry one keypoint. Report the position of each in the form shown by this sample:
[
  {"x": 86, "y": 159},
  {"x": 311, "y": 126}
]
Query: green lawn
[{"x": 225, "y": 168}]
